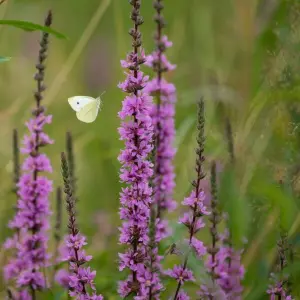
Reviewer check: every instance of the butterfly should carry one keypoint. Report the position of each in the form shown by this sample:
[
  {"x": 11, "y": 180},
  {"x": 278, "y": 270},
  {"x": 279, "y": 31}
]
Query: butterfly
[{"x": 86, "y": 108}]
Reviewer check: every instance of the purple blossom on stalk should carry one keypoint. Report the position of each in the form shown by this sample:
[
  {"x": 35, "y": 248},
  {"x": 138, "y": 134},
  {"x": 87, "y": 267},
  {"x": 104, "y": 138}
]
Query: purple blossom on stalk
[
  {"x": 61, "y": 250},
  {"x": 80, "y": 278},
  {"x": 163, "y": 120},
  {"x": 183, "y": 296},
  {"x": 224, "y": 266},
  {"x": 164, "y": 132},
  {"x": 224, "y": 262},
  {"x": 229, "y": 271},
  {"x": 193, "y": 219},
  {"x": 136, "y": 169},
  {"x": 211, "y": 289},
  {"x": 31, "y": 219}
]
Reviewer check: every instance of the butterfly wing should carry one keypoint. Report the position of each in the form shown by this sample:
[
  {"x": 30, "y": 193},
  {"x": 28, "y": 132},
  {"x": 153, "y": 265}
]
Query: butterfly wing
[
  {"x": 79, "y": 102},
  {"x": 89, "y": 112}
]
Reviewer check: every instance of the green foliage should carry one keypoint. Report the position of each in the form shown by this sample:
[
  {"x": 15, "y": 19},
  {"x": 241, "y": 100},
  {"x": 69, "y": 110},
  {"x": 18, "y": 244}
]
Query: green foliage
[{"x": 29, "y": 26}]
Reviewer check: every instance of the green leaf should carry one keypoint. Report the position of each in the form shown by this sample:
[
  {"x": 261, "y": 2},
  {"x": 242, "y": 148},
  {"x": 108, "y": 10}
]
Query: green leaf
[
  {"x": 4, "y": 59},
  {"x": 29, "y": 26},
  {"x": 235, "y": 205}
]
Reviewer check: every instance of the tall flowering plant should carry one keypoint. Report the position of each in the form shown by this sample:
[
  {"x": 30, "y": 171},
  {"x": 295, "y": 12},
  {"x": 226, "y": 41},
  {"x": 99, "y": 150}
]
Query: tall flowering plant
[
  {"x": 193, "y": 218},
  {"x": 211, "y": 289},
  {"x": 162, "y": 114},
  {"x": 31, "y": 220},
  {"x": 163, "y": 119},
  {"x": 229, "y": 269},
  {"x": 136, "y": 131},
  {"x": 80, "y": 278}
]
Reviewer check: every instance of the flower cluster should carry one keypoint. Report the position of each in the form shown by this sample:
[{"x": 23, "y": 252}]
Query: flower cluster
[
  {"x": 80, "y": 277},
  {"x": 193, "y": 221},
  {"x": 197, "y": 208},
  {"x": 163, "y": 120},
  {"x": 31, "y": 219},
  {"x": 230, "y": 272},
  {"x": 162, "y": 114},
  {"x": 137, "y": 131},
  {"x": 223, "y": 263}
]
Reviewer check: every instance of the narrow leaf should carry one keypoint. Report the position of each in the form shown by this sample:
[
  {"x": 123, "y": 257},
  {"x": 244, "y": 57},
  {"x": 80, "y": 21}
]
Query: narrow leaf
[
  {"x": 29, "y": 26},
  {"x": 4, "y": 59},
  {"x": 235, "y": 205}
]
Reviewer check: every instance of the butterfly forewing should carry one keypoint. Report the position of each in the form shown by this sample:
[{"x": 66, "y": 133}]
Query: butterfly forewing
[{"x": 79, "y": 102}]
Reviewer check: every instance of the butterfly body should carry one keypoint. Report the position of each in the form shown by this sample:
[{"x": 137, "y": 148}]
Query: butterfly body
[{"x": 86, "y": 108}]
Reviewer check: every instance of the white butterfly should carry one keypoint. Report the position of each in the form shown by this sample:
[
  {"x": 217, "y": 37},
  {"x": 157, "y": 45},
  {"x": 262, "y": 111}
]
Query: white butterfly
[{"x": 86, "y": 108}]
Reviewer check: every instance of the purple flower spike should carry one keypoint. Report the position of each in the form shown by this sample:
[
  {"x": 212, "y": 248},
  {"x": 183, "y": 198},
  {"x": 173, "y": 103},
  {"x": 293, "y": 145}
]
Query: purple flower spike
[
  {"x": 230, "y": 274},
  {"x": 197, "y": 209},
  {"x": 163, "y": 120},
  {"x": 80, "y": 278},
  {"x": 164, "y": 134},
  {"x": 31, "y": 219},
  {"x": 136, "y": 131}
]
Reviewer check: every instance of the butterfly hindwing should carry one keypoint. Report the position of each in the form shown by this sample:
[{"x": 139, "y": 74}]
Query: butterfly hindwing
[{"x": 89, "y": 112}]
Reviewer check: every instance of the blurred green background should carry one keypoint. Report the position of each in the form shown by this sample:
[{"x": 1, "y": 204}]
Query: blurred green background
[{"x": 242, "y": 55}]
